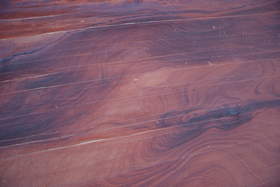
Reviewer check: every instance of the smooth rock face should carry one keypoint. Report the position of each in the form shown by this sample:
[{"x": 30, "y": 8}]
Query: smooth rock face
[{"x": 140, "y": 93}]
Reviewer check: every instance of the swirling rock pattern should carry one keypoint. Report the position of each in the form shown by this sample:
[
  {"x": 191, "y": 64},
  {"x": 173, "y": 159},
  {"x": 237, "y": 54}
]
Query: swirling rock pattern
[{"x": 140, "y": 93}]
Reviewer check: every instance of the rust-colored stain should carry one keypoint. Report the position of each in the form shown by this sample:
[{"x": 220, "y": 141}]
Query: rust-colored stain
[{"x": 140, "y": 93}]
